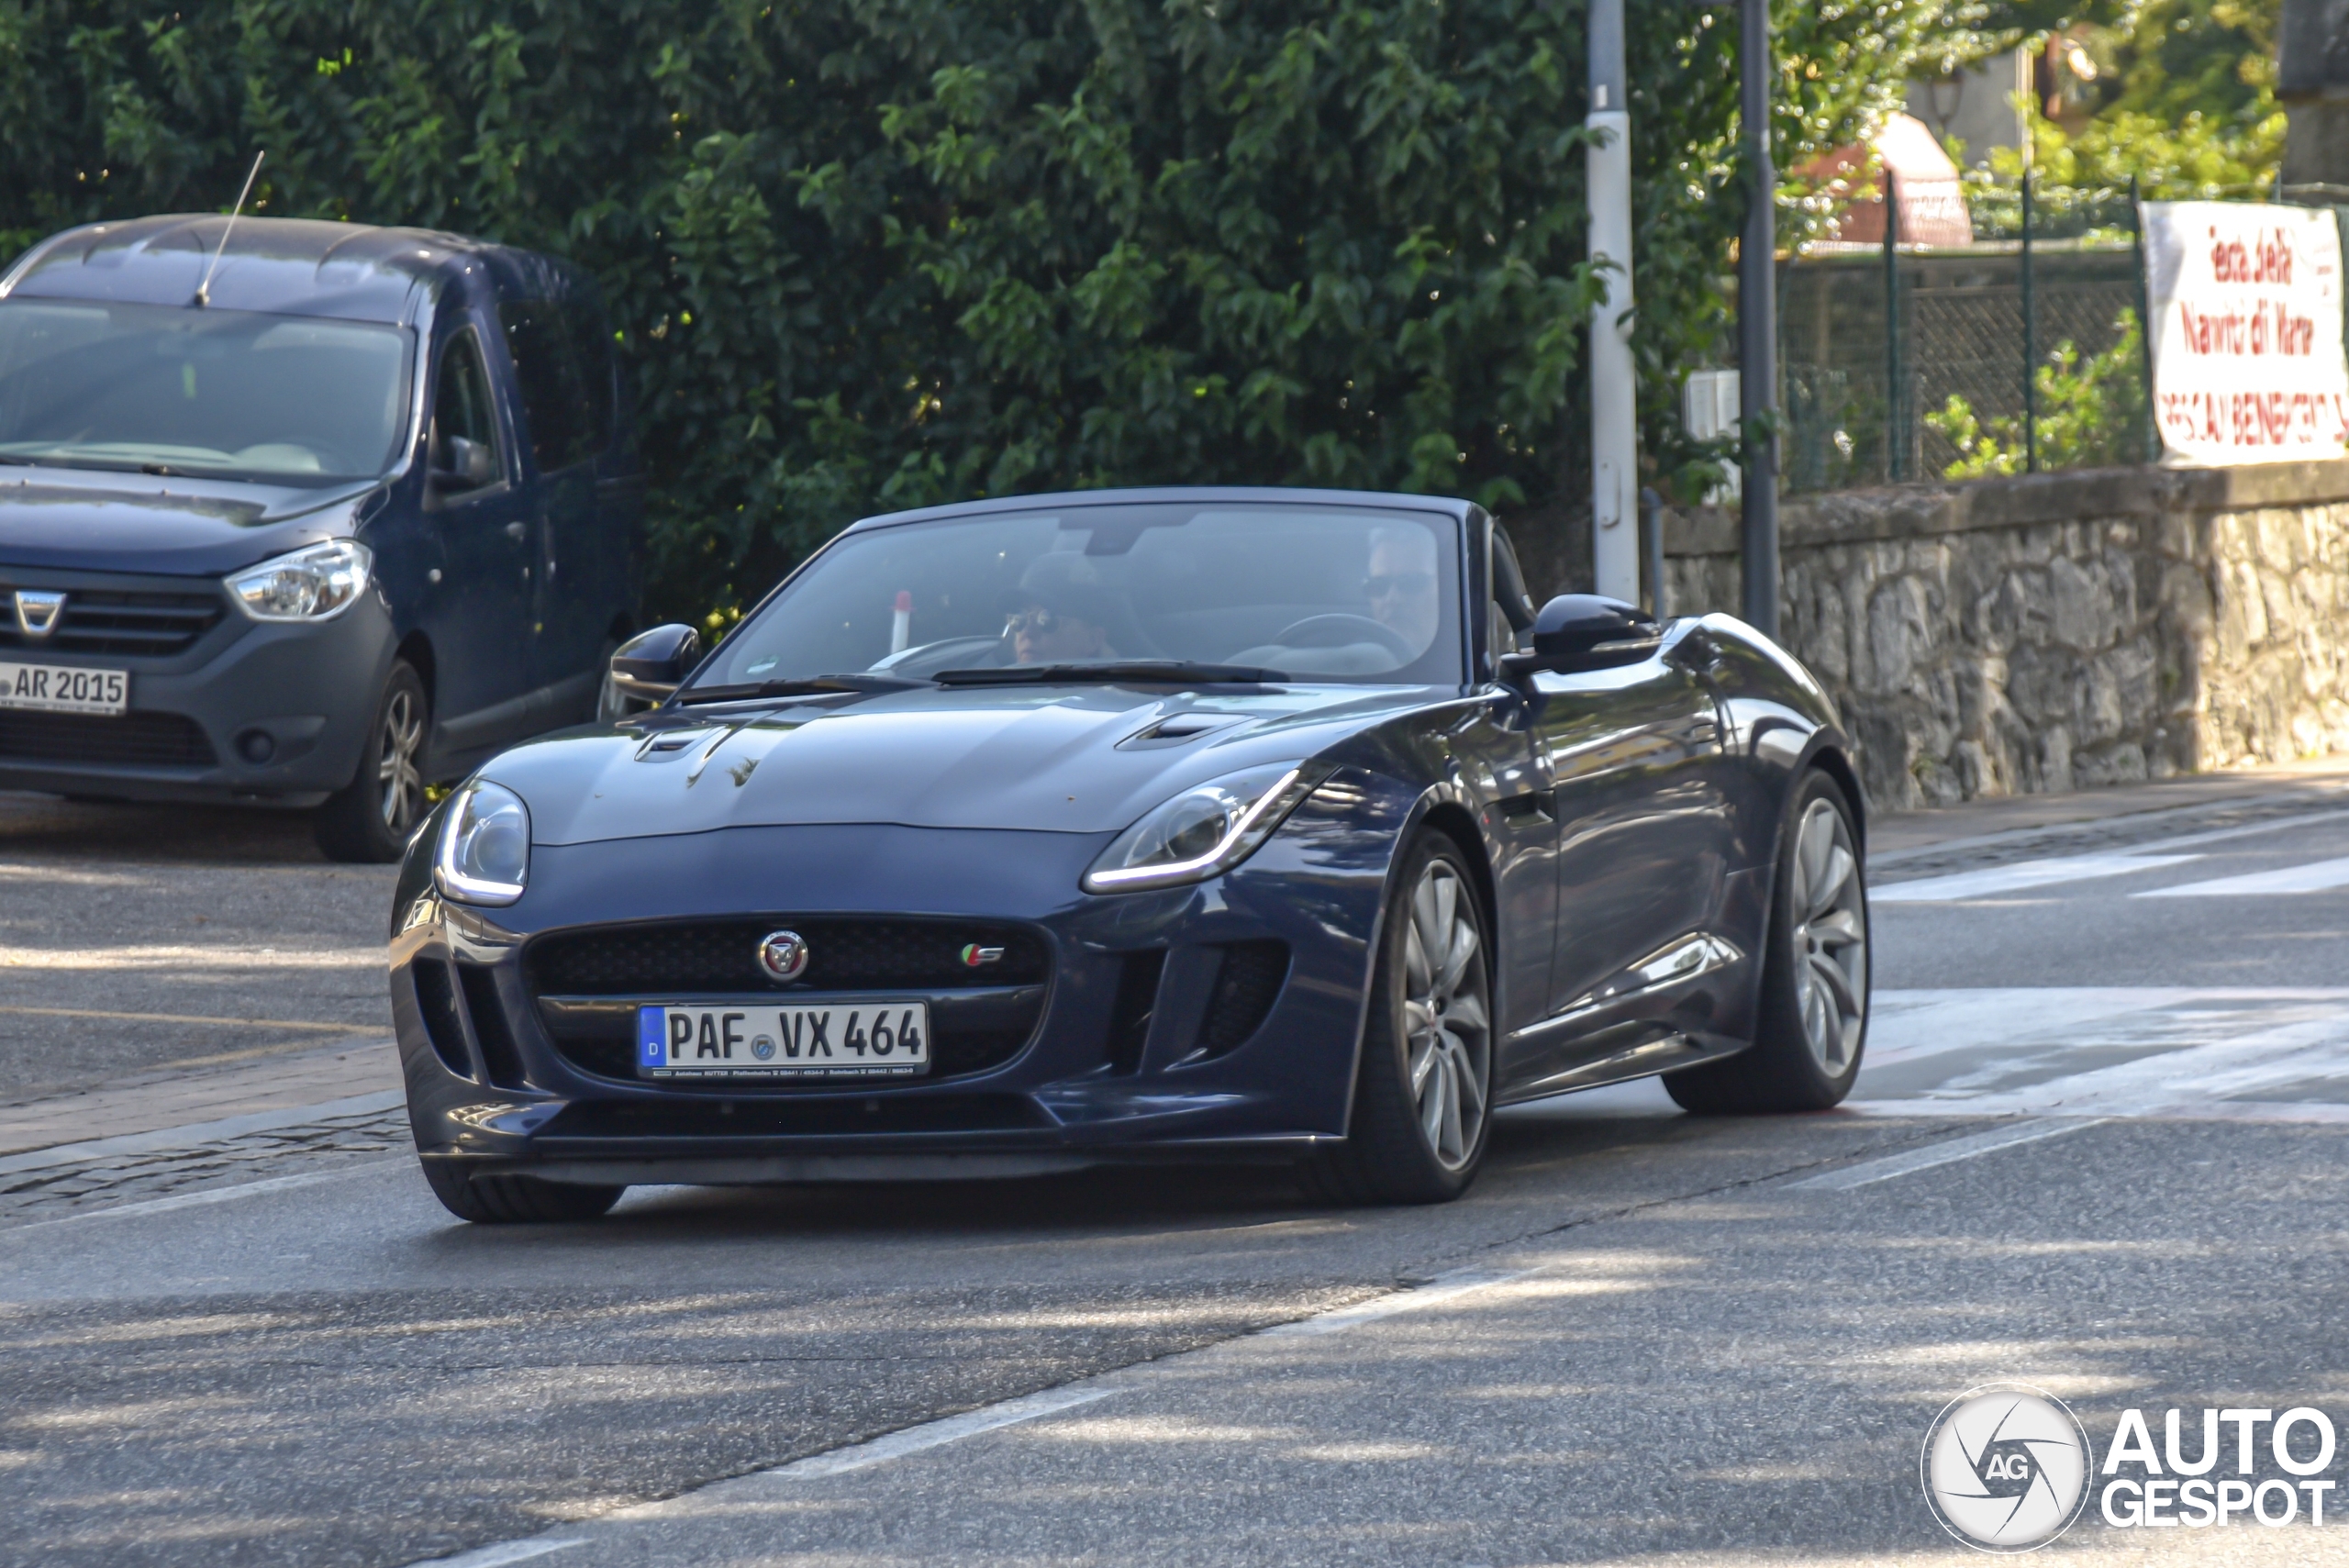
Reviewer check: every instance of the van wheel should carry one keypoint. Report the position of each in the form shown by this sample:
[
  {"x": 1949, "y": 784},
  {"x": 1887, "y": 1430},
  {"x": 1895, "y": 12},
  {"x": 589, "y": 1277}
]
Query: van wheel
[{"x": 370, "y": 818}]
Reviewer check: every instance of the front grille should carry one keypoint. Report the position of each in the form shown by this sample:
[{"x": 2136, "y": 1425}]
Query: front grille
[
  {"x": 980, "y": 1015},
  {"x": 702, "y": 1121},
  {"x": 104, "y": 620},
  {"x": 134, "y": 740},
  {"x": 691, "y": 958}
]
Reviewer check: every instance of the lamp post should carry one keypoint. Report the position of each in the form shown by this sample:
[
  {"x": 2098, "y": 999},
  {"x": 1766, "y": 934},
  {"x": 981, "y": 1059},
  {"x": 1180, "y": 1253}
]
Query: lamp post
[
  {"x": 1757, "y": 325},
  {"x": 1614, "y": 406}
]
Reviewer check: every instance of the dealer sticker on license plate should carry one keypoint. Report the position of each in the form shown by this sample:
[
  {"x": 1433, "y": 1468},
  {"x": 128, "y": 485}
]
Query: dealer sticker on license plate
[
  {"x": 830, "y": 1039},
  {"x": 65, "y": 688}
]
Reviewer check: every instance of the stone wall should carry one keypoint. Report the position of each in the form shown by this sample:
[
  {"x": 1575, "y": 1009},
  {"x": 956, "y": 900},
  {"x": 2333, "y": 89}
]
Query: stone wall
[{"x": 2060, "y": 631}]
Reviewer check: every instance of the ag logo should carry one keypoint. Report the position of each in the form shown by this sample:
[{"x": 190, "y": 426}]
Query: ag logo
[{"x": 2006, "y": 1467}]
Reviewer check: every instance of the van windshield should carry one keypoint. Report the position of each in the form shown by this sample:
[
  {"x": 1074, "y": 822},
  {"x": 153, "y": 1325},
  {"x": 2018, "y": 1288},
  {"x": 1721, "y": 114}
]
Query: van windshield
[{"x": 225, "y": 393}]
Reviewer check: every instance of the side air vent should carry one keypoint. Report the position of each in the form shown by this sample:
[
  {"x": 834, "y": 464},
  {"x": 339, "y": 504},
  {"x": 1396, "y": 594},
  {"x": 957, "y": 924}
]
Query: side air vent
[
  {"x": 1246, "y": 985},
  {"x": 1130, "y": 1011},
  {"x": 496, "y": 1036},
  {"x": 444, "y": 1025}
]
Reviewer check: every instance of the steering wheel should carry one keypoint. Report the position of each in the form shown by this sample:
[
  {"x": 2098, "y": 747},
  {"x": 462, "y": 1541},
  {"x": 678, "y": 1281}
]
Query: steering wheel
[{"x": 1337, "y": 630}]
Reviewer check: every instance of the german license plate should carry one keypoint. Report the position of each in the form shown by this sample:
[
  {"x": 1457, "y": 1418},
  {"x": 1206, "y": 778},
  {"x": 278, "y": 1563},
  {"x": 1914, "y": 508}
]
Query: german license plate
[
  {"x": 827, "y": 1039},
  {"x": 65, "y": 688}
]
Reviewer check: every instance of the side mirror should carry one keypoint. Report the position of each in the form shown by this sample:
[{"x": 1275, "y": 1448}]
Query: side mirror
[
  {"x": 1575, "y": 632},
  {"x": 652, "y": 664},
  {"x": 462, "y": 463}
]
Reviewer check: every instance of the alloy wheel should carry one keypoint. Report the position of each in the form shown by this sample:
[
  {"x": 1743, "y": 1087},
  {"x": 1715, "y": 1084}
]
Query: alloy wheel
[
  {"x": 1446, "y": 1016},
  {"x": 1831, "y": 938},
  {"x": 402, "y": 780}
]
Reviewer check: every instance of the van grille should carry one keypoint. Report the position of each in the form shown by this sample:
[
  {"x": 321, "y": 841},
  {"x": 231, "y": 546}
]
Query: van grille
[
  {"x": 134, "y": 740},
  {"x": 106, "y": 620}
]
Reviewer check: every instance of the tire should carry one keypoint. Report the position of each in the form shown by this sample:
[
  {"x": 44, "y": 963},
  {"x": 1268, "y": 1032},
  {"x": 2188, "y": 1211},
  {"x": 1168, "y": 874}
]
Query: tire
[
  {"x": 1421, "y": 1141},
  {"x": 1812, "y": 1023},
  {"x": 515, "y": 1200},
  {"x": 370, "y": 818}
]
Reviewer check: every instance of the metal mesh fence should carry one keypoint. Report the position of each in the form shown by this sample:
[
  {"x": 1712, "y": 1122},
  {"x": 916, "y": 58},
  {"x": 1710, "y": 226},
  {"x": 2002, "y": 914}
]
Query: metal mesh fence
[
  {"x": 1996, "y": 357},
  {"x": 1864, "y": 407}
]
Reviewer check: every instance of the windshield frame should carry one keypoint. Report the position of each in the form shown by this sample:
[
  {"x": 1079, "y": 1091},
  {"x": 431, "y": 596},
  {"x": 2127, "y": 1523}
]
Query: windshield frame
[
  {"x": 400, "y": 450},
  {"x": 1455, "y": 522}
]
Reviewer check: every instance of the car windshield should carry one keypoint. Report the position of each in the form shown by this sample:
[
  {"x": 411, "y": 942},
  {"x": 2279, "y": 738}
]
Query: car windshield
[
  {"x": 1320, "y": 593},
  {"x": 231, "y": 393}
]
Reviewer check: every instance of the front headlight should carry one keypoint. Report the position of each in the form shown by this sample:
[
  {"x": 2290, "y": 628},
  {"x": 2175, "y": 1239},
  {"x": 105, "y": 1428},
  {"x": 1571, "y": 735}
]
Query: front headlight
[
  {"x": 315, "y": 583},
  {"x": 1204, "y": 830},
  {"x": 484, "y": 852}
]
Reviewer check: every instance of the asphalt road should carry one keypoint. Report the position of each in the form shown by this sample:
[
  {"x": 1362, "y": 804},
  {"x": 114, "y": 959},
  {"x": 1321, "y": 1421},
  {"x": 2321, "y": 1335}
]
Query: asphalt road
[
  {"x": 2097, "y": 1148},
  {"x": 139, "y": 937}
]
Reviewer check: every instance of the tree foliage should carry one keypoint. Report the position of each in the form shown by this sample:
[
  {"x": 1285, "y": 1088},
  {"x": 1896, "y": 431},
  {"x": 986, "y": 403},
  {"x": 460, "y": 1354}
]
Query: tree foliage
[{"x": 870, "y": 253}]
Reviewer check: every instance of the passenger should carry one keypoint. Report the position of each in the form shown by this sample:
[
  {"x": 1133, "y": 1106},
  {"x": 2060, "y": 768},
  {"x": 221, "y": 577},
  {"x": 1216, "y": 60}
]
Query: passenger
[
  {"x": 1402, "y": 586},
  {"x": 1059, "y": 613}
]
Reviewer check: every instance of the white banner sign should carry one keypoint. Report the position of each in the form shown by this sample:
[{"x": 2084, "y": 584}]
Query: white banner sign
[{"x": 2245, "y": 301}]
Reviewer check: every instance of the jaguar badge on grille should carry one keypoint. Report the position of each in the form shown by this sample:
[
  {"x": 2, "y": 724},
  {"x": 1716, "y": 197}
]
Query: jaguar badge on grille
[{"x": 784, "y": 955}]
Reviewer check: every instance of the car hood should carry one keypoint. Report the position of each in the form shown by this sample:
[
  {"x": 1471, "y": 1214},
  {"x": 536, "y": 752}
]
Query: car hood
[
  {"x": 83, "y": 519},
  {"x": 1059, "y": 759}
]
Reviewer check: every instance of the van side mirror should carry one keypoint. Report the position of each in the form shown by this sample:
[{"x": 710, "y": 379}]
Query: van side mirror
[
  {"x": 461, "y": 463},
  {"x": 652, "y": 664},
  {"x": 1575, "y": 632}
]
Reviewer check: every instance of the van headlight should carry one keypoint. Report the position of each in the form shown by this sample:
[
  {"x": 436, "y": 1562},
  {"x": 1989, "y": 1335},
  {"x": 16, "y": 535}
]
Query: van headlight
[
  {"x": 1204, "y": 831},
  {"x": 484, "y": 852},
  {"x": 313, "y": 584}
]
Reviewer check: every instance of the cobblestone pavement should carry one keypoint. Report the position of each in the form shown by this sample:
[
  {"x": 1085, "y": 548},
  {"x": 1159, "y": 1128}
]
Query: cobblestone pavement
[{"x": 60, "y": 1191}]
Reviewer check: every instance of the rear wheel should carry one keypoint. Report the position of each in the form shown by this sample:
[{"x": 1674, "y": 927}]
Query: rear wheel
[
  {"x": 1812, "y": 1023},
  {"x": 515, "y": 1200},
  {"x": 1423, "y": 1092},
  {"x": 371, "y": 817}
]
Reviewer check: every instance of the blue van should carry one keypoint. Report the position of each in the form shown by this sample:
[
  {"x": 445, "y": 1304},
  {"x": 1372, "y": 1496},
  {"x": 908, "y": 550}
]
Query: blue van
[{"x": 304, "y": 513}]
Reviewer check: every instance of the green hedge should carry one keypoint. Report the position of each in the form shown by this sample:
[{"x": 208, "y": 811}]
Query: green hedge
[{"x": 875, "y": 253}]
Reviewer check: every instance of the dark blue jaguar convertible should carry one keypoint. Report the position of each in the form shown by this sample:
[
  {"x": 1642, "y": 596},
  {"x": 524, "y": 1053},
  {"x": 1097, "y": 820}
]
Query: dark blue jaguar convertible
[{"x": 1273, "y": 825}]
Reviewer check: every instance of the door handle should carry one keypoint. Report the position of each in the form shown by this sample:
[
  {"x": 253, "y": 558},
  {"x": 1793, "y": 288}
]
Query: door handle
[{"x": 516, "y": 530}]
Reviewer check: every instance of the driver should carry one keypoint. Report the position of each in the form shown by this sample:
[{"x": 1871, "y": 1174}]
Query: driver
[
  {"x": 1059, "y": 613},
  {"x": 1401, "y": 587}
]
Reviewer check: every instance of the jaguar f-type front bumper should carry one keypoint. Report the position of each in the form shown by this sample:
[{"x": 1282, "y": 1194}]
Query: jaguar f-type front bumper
[{"x": 1218, "y": 1020}]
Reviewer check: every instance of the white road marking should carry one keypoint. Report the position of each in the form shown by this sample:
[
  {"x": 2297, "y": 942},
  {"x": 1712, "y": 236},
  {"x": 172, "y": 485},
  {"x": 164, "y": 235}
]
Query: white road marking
[
  {"x": 2131, "y": 819},
  {"x": 937, "y": 1434},
  {"x": 506, "y": 1552},
  {"x": 1948, "y": 1152},
  {"x": 1995, "y": 879},
  {"x": 208, "y": 1196},
  {"x": 2317, "y": 876},
  {"x": 1434, "y": 1293},
  {"x": 720, "y": 1494},
  {"x": 2217, "y": 1053}
]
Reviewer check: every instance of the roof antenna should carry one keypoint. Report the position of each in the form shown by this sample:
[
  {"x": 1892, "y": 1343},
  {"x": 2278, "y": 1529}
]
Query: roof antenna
[{"x": 203, "y": 289}]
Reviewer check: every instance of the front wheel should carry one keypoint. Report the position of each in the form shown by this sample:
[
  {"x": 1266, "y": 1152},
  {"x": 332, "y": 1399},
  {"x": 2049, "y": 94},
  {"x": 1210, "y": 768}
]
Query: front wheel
[
  {"x": 1423, "y": 1092},
  {"x": 370, "y": 818},
  {"x": 1812, "y": 1022}
]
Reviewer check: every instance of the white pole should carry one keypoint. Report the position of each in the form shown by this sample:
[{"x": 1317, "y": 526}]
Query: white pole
[{"x": 1614, "y": 422}]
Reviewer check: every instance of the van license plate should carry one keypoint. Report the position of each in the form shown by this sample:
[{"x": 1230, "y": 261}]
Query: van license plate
[
  {"x": 65, "y": 688},
  {"x": 829, "y": 1039}
]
